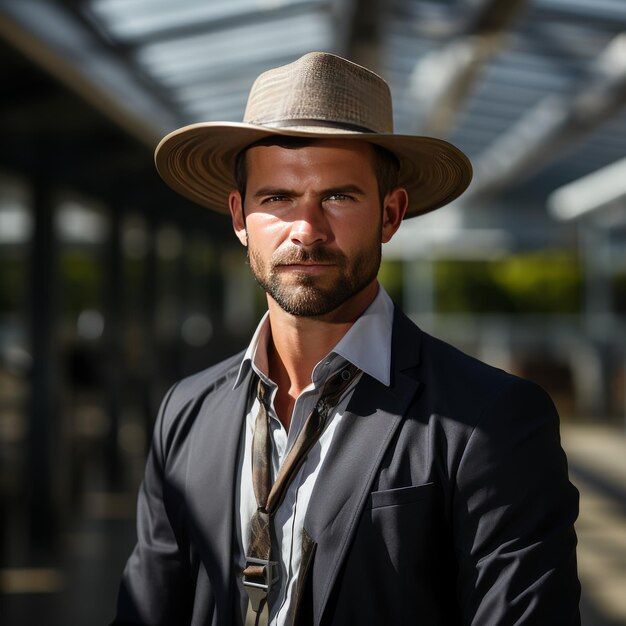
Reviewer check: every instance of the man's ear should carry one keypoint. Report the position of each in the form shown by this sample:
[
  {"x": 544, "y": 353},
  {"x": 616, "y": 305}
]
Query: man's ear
[
  {"x": 395, "y": 205},
  {"x": 235, "y": 206}
]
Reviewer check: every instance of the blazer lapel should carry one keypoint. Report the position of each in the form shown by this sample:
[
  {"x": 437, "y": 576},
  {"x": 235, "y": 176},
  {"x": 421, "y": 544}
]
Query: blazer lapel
[{"x": 344, "y": 482}]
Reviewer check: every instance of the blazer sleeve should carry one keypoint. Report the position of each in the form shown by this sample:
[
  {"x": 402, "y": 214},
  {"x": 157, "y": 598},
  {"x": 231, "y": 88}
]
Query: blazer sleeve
[
  {"x": 514, "y": 511},
  {"x": 156, "y": 588}
]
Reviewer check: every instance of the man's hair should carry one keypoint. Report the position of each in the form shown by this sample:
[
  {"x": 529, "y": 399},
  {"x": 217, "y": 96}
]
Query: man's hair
[{"x": 386, "y": 165}]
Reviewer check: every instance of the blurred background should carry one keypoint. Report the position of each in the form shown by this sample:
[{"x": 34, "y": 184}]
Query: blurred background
[{"x": 112, "y": 287}]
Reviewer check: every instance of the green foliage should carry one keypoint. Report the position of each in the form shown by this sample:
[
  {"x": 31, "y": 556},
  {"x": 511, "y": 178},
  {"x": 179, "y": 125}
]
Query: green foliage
[
  {"x": 13, "y": 283},
  {"x": 533, "y": 282},
  {"x": 81, "y": 281},
  {"x": 619, "y": 291},
  {"x": 202, "y": 257},
  {"x": 391, "y": 276}
]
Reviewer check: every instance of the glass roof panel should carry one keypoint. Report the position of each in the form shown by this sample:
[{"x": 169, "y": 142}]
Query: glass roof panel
[
  {"x": 202, "y": 56},
  {"x": 131, "y": 19},
  {"x": 283, "y": 36},
  {"x": 597, "y": 8}
]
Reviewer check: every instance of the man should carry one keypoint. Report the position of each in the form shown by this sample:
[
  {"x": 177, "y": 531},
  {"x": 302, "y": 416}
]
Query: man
[{"x": 347, "y": 468}]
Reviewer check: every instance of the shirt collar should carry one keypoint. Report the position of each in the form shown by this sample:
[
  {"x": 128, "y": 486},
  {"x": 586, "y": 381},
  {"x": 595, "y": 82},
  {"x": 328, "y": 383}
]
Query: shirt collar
[
  {"x": 367, "y": 344},
  {"x": 256, "y": 351}
]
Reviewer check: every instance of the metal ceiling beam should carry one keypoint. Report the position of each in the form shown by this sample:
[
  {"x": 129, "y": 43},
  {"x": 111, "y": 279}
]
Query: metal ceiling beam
[
  {"x": 357, "y": 31},
  {"x": 602, "y": 189},
  {"x": 56, "y": 42},
  {"x": 555, "y": 123},
  {"x": 442, "y": 80}
]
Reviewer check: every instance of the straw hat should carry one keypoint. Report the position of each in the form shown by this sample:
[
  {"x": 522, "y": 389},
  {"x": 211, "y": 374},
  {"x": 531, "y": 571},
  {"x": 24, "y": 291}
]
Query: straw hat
[{"x": 320, "y": 95}]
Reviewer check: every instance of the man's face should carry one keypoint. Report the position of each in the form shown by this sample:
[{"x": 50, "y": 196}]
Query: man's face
[{"x": 313, "y": 224}]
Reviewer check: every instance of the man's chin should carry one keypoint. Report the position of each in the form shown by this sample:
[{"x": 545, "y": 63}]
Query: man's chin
[{"x": 302, "y": 302}]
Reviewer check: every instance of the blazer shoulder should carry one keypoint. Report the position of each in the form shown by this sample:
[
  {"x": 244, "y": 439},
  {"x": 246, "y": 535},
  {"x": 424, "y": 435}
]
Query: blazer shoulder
[
  {"x": 439, "y": 360},
  {"x": 193, "y": 389},
  {"x": 447, "y": 360},
  {"x": 460, "y": 384},
  {"x": 213, "y": 376}
]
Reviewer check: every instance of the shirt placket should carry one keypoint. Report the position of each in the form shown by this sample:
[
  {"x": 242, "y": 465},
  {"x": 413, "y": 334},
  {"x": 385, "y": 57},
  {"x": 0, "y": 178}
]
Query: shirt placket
[{"x": 286, "y": 514}]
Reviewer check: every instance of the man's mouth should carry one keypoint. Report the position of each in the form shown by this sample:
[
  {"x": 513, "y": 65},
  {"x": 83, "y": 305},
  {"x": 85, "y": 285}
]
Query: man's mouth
[{"x": 306, "y": 266}]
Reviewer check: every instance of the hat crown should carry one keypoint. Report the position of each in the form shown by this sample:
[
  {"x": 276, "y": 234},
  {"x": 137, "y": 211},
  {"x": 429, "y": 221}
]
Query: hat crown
[{"x": 321, "y": 89}]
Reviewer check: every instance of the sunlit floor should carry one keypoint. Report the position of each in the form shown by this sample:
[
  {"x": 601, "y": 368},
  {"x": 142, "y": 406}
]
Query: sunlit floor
[
  {"x": 597, "y": 458},
  {"x": 76, "y": 584}
]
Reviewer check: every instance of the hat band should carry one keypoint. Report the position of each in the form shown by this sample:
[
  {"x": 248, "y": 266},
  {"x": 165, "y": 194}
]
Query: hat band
[{"x": 315, "y": 122}]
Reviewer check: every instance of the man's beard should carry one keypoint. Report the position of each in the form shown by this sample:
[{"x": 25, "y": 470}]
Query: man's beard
[{"x": 305, "y": 296}]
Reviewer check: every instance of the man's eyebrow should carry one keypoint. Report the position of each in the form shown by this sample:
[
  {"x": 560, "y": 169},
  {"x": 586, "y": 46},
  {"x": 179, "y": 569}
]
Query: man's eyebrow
[
  {"x": 263, "y": 192},
  {"x": 354, "y": 189},
  {"x": 273, "y": 191}
]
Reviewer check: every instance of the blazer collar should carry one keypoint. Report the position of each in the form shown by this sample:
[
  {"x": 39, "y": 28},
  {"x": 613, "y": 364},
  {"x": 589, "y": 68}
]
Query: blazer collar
[{"x": 359, "y": 444}]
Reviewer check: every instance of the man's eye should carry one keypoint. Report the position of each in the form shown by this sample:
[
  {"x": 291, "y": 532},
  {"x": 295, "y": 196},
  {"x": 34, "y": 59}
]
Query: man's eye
[
  {"x": 339, "y": 197},
  {"x": 274, "y": 199}
]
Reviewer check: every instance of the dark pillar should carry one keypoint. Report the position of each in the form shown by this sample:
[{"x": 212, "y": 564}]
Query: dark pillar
[
  {"x": 43, "y": 406},
  {"x": 185, "y": 304},
  {"x": 150, "y": 350},
  {"x": 114, "y": 362}
]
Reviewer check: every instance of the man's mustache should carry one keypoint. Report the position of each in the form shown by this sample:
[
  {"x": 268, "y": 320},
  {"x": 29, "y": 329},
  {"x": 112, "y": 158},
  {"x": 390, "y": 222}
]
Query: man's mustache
[{"x": 318, "y": 254}]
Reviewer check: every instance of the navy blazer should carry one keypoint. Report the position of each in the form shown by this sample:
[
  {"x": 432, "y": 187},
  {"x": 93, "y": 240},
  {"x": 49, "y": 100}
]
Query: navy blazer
[{"x": 444, "y": 500}]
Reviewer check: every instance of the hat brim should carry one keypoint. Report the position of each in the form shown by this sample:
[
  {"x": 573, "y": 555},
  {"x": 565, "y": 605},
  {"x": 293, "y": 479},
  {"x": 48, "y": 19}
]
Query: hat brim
[{"x": 198, "y": 161}]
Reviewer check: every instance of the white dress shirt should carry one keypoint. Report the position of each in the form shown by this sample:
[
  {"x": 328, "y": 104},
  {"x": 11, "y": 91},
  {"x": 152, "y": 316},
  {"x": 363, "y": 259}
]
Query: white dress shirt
[{"x": 368, "y": 346}]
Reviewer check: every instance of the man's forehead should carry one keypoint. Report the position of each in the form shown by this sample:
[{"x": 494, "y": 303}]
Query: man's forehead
[{"x": 337, "y": 148}]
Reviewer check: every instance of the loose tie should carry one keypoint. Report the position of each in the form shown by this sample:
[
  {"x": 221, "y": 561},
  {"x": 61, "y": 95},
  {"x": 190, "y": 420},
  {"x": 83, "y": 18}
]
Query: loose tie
[{"x": 261, "y": 572}]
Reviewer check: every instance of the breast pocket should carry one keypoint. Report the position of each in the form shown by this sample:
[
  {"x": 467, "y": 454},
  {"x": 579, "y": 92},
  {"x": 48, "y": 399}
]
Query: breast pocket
[
  {"x": 401, "y": 495},
  {"x": 401, "y": 526}
]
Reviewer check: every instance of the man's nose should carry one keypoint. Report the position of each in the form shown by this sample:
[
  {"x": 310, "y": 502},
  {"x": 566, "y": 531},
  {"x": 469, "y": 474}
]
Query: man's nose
[{"x": 310, "y": 225}]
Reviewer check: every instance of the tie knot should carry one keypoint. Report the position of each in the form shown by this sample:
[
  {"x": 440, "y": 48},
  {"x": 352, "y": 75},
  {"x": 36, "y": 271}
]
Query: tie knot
[{"x": 262, "y": 393}]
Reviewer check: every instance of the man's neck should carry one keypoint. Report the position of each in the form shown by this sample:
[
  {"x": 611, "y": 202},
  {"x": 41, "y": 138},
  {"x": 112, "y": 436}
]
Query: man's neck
[{"x": 297, "y": 344}]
